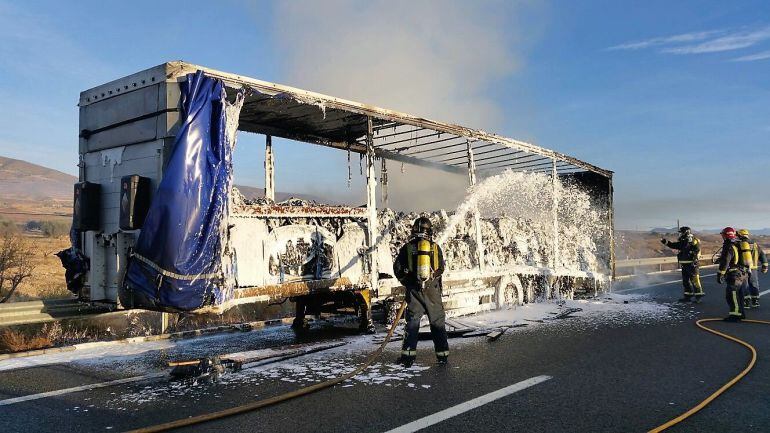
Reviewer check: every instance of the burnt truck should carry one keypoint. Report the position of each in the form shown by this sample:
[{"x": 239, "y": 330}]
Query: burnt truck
[{"x": 159, "y": 225}]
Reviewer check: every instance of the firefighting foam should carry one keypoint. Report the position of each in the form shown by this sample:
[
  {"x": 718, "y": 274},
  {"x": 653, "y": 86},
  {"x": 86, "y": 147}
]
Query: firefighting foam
[{"x": 518, "y": 223}]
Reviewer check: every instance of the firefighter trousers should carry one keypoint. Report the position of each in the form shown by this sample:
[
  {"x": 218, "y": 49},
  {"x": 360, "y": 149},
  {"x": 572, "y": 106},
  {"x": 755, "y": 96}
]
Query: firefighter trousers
[
  {"x": 420, "y": 302},
  {"x": 734, "y": 292},
  {"x": 691, "y": 280},
  {"x": 751, "y": 285}
]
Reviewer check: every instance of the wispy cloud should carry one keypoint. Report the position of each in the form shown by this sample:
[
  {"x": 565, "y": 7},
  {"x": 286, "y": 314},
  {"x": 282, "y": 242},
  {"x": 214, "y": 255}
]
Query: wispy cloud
[
  {"x": 734, "y": 41},
  {"x": 667, "y": 40},
  {"x": 711, "y": 41},
  {"x": 764, "y": 55}
]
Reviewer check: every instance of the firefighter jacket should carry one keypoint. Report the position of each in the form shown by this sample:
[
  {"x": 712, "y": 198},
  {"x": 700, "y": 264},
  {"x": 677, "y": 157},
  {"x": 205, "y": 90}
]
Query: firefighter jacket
[
  {"x": 733, "y": 258},
  {"x": 689, "y": 251},
  {"x": 406, "y": 263}
]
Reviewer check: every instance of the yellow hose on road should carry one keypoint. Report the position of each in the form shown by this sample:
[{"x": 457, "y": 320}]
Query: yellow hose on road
[
  {"x": 277, "y": 399},
  {"x": 724, "y": 387}
]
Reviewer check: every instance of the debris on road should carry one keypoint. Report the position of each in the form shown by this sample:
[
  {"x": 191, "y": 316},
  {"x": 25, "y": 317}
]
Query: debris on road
[
  {"x": 494, "y": 335},
  {"x": 206, "y": 369},
  {"x": 492, "y": 330},
  {"x": 212, "y": 367},
  {"x": 564, "y": 314}
]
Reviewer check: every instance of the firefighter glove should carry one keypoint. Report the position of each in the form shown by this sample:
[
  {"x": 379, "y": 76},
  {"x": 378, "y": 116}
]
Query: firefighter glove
[
  {"x": 720, "y": 278},
  {"x": 663, "y": 241},
  {"x": 764, "y": 269}
]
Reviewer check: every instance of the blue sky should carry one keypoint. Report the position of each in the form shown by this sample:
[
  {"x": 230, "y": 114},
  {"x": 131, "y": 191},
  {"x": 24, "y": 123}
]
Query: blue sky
[{"x": 672, "y": 96}]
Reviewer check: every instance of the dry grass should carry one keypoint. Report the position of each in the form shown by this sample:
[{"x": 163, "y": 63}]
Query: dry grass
[
  {"x": 17, "y": 341},
  {"x": 48, "y": 279},
  {"x": 23, "y": 338}
]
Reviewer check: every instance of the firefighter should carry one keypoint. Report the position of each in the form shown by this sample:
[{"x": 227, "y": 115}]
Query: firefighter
[
  {"x": 418, "y": 267},
  {"x": 734, "y": 266},
  {"x": 688, "y": 258},
  {"x": 758, "y": 259}
]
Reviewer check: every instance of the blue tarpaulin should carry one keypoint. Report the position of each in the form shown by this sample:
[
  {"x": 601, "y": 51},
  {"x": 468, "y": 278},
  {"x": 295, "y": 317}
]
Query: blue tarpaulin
[{"x": 179, "y": 261}]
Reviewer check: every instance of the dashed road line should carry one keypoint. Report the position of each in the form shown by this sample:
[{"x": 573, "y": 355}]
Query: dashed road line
[
  {"x": 468, "y": 405},
  {"x": 656, "y": 284},
  {"x": 10, "y": 401}
]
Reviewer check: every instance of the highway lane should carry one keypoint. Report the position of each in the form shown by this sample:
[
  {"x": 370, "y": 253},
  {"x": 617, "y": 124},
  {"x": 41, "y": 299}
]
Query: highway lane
[{"x": 605, "y": 374}]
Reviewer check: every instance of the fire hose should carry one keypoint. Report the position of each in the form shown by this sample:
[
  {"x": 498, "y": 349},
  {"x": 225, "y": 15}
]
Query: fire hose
[
  {"x": 724, "y": 387},
  {"x": 280, "y": 398}
]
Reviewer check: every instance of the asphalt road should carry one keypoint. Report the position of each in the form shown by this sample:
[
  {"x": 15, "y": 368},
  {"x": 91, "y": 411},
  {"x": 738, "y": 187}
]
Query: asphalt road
[{"x": 609, "y": 374}]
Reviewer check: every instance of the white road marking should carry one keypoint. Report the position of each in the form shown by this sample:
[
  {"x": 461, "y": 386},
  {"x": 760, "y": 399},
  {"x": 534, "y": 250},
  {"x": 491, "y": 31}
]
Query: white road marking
[
  {"x": 468, "y": 405},
  {"x": 58, "y": 392},
  {"x": 657, "y": 284},
  {"x": 764, "y": 293}
]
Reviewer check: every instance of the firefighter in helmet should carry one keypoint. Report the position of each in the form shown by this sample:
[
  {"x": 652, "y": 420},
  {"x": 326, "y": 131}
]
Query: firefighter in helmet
[
  {"x": 758, "y": 260},
  {"x": 418, "y": 267},
  {"x": 734, "y": 265},
  {"x": 688, "y": 256}
]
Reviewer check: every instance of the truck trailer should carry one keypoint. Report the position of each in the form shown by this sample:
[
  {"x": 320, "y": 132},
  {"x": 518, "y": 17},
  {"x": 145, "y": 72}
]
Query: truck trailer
[{"x": 158, "y": 224}]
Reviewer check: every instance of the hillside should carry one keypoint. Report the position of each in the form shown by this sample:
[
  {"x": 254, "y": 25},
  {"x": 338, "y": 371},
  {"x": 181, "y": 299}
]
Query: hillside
[
  {"x": 27, "y": 188},
  {"x": 26, "y": 181}
]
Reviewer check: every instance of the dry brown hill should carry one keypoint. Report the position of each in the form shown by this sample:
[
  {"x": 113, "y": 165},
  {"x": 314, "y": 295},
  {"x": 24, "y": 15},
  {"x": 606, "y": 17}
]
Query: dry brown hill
[
  {"x": 27, "y": 190},
  {"x": 26, "y": 181}
]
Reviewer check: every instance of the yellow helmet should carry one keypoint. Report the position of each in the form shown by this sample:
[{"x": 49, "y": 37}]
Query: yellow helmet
[{"x": 743, "y": 233}]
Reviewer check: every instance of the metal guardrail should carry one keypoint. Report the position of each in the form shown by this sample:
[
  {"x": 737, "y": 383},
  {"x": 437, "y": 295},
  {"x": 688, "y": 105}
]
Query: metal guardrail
[
  {"x": 632, "y": 265},
  {"x": 47, "y": 310},
  {"x": 655, "y": 261}
]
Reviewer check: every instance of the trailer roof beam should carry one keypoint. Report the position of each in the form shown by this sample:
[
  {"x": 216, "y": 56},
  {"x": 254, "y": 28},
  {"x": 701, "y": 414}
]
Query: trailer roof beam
[
  {"x": 516, "y": 160},
  {"x": 504, "y": 155},
  {"x": 407, "y": 148}
]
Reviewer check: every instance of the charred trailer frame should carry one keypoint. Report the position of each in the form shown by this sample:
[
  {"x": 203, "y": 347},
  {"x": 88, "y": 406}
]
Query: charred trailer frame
[{"x": 128, "y": 128}]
